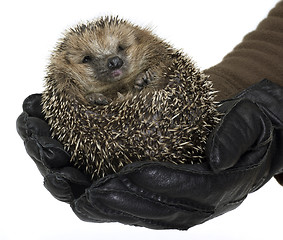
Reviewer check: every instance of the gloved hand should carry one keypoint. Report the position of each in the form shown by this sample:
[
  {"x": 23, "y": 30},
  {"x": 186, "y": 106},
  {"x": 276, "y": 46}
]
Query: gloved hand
[
  {"x": 63, "y": 181},
  {"x": 245, "y": 151},
  {"x": 269, "y": 99}
]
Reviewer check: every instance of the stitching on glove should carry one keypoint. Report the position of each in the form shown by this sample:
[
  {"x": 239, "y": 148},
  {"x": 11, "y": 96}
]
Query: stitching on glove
[
  {"x": 163, "y": 200},
  {"x": 180, "y": 168},
  {"x": 111, "y": 212},
  {"x": 27, "y": 131}
]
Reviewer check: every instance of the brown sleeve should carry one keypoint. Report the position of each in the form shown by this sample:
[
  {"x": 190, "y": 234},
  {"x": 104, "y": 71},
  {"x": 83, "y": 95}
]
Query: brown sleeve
[{"x": 258, "y": 56}]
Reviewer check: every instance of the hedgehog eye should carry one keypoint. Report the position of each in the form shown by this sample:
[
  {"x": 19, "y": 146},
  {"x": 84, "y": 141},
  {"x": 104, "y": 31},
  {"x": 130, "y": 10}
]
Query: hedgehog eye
[
  {"x": 121, "y": 48},
  {"x": 87, "y": 59}
]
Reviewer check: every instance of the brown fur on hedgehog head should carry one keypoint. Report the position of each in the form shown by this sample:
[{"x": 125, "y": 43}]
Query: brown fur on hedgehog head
[{"x": 80, "y": 64}]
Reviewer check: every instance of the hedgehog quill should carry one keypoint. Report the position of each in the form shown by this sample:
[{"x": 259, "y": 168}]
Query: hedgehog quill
[{"x": 116, "y": 93}]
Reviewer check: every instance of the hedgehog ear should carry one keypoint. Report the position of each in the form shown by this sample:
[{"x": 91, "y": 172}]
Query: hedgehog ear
[
  {"x": 62, "y": 45},
  {"x": 138, "y": 36},
  {"x": 66, "y": 58}
]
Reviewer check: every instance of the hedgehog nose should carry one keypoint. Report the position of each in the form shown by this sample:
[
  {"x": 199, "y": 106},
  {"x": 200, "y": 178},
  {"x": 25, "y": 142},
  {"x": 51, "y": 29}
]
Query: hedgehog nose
[{"x": 115, "y": 63}]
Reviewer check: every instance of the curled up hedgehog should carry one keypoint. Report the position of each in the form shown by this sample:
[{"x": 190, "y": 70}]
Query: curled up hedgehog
[{"x": 116, "y": 93}]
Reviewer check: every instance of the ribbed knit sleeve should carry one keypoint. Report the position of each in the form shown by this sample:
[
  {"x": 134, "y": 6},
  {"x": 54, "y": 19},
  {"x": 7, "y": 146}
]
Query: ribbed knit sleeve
[{"x": 258, "y": 56}]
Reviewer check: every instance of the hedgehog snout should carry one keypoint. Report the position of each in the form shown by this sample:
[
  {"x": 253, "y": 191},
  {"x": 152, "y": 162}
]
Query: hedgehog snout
[{"x": 114, "y": 63}]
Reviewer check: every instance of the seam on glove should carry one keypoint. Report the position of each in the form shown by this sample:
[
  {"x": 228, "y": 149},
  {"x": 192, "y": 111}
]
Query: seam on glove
[
  {"x": 105, "y": 210},
  {"x": 163, "y": 200},
  {"x": 180, "y": 168}
]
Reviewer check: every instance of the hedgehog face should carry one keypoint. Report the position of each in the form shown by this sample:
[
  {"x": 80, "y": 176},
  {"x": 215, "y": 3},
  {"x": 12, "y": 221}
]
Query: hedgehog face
[
  {"x": 97, "y": 56},
  {"x": 102, "y": 56}
]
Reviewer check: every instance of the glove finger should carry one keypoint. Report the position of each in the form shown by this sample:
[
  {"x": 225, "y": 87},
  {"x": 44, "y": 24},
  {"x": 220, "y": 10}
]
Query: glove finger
[
  {"x": 52, "y": 153},
  {"x": 124, "y": 206},
  {"x": 32, "y": 106},
  {"x": 39, "y": 144},
  {"x": 66, "y": 184},
  {"x": 59, "y": 187},
  {"x": 153, "y": 215},
  {"x": 87, "y": 212},
  {"x": 21, "y": 126},
  {"x": 30, "y": 126},
  {"x": 243, "y": 128},
  {"x": 269, "y": 95},
  {"x": 47, "y": 151}
]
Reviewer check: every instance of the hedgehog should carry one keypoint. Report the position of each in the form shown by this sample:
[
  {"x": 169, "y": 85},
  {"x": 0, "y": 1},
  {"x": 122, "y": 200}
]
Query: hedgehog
[{"x": 115, "y": 93}]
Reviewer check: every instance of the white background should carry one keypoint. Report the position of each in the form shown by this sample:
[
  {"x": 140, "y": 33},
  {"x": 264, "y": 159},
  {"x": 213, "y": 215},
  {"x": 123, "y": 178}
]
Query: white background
[{"x": 205, "y": 29}]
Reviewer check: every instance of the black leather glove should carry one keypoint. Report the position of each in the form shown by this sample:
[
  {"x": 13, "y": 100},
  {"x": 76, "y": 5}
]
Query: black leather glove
[
  {"x": 227, "y": 147},
  {"x": 63, "y": 181},
  {"x": 244, "y": 153}
]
